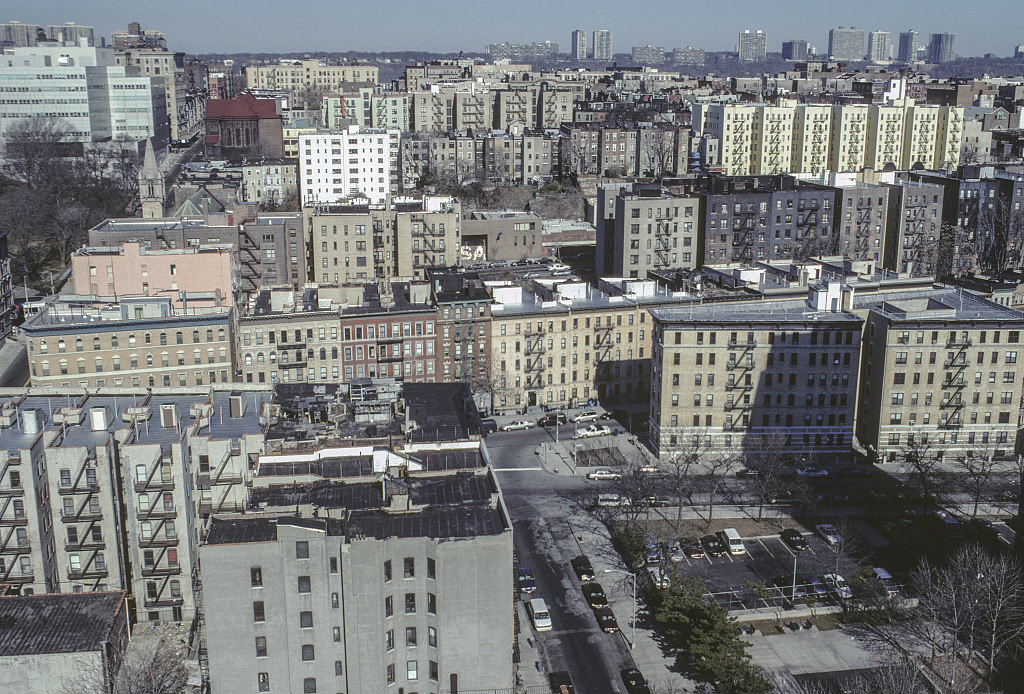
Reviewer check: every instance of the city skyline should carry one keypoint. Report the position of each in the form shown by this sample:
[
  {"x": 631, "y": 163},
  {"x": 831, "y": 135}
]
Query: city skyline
[{"x": 701, "y": 26}]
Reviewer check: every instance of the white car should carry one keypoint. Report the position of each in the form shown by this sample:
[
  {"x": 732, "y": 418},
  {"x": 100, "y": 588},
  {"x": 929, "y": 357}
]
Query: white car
[
  {"x": 603, "y": 475},
  {"x": 586, "y": 417},
  {"x": 811, "y": 471},
  {"x": 559, "y": 267},
  {"x": 592, "y": 430},
  {"x": 829, "y": 533},
  {"x": 611, "y": 500},
  {"x": 517, "y": 425},
  {"x": 838, "y": 586}
]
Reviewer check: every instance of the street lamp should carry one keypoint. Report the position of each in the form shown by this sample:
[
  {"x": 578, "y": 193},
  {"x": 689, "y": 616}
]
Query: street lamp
[{"x": 632, "y": 639}]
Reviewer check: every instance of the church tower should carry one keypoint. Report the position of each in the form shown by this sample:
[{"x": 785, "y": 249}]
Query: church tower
[{"x": 152, "y": 187}]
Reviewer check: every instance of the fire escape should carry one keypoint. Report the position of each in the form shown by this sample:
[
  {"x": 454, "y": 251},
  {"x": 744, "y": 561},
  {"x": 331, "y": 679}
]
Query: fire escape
[
  {"x": 156, "y": 506},
  {"x": 952, "y": 405},
  {"x": 249, "y": 258},
  {"x": 914, "y": 227},
  {"x": 739, "y": 380},
  {"x": 890, "y": 144},
  {"x": 197, "y": 632},
  {"x": 292, "y": 353},
  {"x": 12, "y": 517},
  {"x": 380, "y": 269},
  {"x": 533, "y": 351},
  {"x": 431, "y": 242},
  {"x": 819, "y": 144},
  {"x": 662, "y": 243},
  {"x": 603, "y": 352},
  {"x": 855, "y": 146},
  {"x": 742, "y": 233},
  {"x": 774, "y": 146},
  {"x": 862, "y": 234},
  {"x": 81, "y": 507},
  {"x": 221, "y": 479},
  {"x": 465, "y": 352}
]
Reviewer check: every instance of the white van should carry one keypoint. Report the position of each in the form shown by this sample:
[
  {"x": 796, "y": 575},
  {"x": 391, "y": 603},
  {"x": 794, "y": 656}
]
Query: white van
[
  {"x": 539, "y": 614},
  {"x": 733, "y": 541}
]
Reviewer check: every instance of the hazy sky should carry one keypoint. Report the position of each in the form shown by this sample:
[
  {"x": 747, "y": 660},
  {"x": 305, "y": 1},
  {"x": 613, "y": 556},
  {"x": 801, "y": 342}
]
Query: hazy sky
[{"x": 200, "y": 26}]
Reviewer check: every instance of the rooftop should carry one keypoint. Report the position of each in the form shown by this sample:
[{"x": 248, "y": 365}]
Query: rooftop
[
  {"x": 768, "y": 311},
  {"x": 57, "y": 623},
  {"x": 72, "y": 310},
  {"x": 941, "y": 303},
  {"x": 227, "y": 531}
]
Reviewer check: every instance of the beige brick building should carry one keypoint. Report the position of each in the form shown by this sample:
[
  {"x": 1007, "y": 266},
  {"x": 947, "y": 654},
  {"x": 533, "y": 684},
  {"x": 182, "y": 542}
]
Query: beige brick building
[
  {"x": 941, "y": 368},
  {"x": 726, "y": 376},
  {"x": 294, "y": 75}
]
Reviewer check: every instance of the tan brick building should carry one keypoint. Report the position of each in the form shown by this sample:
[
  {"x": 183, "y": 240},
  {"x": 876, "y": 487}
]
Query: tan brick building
[{"x": 726, "y": 376}]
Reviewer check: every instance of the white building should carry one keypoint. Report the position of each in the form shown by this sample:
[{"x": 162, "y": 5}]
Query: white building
[
  {"x": 81, "y": 86},
  {"x": 356, "y": 162}
]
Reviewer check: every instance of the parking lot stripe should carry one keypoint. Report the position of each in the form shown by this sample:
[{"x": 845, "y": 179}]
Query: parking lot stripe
[
  {"x": 761, "y": 542},
  {"x": 786, "y": 547},
  {"x": 516, "y": 469}
]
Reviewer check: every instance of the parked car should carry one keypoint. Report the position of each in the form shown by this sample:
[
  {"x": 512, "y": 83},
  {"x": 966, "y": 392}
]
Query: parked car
[
  {"x": 811, "y": 471},
  {"x": 649, "y": 469},
  {"x": 657, "y": 501},
  {"x": 605, "y": 416},
  {"x": 603, "y": 475},
  {"x": 985, "y": 529},
  {"x": 635, "y": 682},
  {"x": 713, "y": 546},
  {"x": 675, "y": 552},
  {"x": 794, "y": 538},
  {"x": 583, "y": 568},
  {"x": 591, "y": 431},
  {"x": 652, "y": 554},
  {"x": 886, "y": 582},
  {"x": 659, "y": 578},
  {"x": 527, "y": 583},
  {"x": 837, "y": 586},
  {"x": 949, "y": 524},
  {"x": 815, "y": 587},
  {"x": 611, "y": 500},
  {"x": 561, "y": 683},
  {"x": 831, "y": 499},
  {"x": 517, "y": 425},
  {"x": 854, "y": 471},
  {"x": 828, "y": 533},
  {"x": 559, "y": 267},
  {"x": 551, "y": 419},
  {"x": 748, "y": 472},
  {"x": 797, "y": 593},
  {"x": 595, "y": 595},
  {"x": 606, "y": 620},
  {"x": 692, "y": 547},
  {"x": 488, "y": 426},
  {"x": 586, "y": 417}
]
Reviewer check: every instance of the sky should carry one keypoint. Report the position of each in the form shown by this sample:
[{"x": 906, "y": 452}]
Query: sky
[{"x": 230, "y": 26}]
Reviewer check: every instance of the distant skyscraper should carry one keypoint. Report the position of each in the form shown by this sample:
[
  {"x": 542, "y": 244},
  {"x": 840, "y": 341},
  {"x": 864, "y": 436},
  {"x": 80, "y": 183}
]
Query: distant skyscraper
[
  {"x": 880, "y": 46},
  {"x": 579, "y": 45},
  {"x": 1018, "y": 52},
  {"x": 909, "y": 43},
  {"x": 846, "y": 44},
  {"x": 69, "y": 32},
  {"x": 648, "y": 55},
  {"x": 795, "y": 50},
  {"x": 942, "y": 48},
  {"x": 603, "y": 44},
  {"x": 752, "y": 45},
  {"x": 18, "y": 35}
]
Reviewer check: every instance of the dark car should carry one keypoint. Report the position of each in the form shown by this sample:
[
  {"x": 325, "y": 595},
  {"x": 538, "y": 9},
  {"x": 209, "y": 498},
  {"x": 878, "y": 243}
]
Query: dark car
[
  {"x": 594, "y": 593},
  {"x": 583, "y": 568},
  {"x": 785, "y": 586},
  {"x": 794, "y": 539},
  {"x": 527, "y": 583},
  {"x": 985, "y": 530},
  {"x": 748, "y": 472},
  {"x": 488, "y": 426},
  {"x": 561, "y": 683},
  {"x": 713, "y": 546},
  {"x": 606, "y": 619},
  {"x": 551, "y": 419},
  {"x": 692, "y": 547},
  {"x": 656, "y": 501},
  {"x": 606, "y": 416},
  {"x": 635, "y": 682}
]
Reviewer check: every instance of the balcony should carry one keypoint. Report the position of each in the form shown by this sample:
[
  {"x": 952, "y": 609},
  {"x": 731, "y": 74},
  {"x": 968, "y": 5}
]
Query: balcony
[
  {"x": 381, "y": 340},
  {"x": 83, "y": 545},
  {"x": 161, "y": 571},
  {"x": 160, "y": 512},
  {"x": 81, "y": 516},
  {"x": 12, "y": 491},
  {"x": 736, "y": 344},
  {"x": 86, "y": 573},
  {"x": 163, "y": 602},
  {"x": 80, "y": 489},
  {"x": 153, "y": 485},
  {"x": 958, "y": 342},
  {"x": 15, "y": 548},
  {"x": 158, "y": 542}
]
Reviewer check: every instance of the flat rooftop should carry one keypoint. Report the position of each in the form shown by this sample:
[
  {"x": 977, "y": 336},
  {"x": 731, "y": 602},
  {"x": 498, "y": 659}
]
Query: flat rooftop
[
  {"x": 767, "y": 311},
  {"x": 943, "y": 303},
  {"x": 229, "y": 531},
  {"x": 57, "y": 623}
]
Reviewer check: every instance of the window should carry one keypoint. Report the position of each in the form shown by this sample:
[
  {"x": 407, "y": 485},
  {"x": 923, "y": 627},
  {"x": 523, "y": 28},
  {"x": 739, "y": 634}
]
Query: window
[
  {"x": 389, "y": 673},
  {"x": 410, "y": 670},
  {"x": 307, "y": 652},
  {"x": 409, "y": 567},
  {"x": 305, "y": 620},
  {"x": 433, "y": 671},
  {"x": 432, "y": 637},
  {"x": 304, "y": 585},
  {"x": 308, "y": 683},
  {"x": 256, "y": 576},
  {"x": 431, "y": 568},
  {"x": 387, "y": 570},
  {"x": 389, "y": 640},
  {"x": 431, "y": 603},
  {"x": 410, "y": 603},
  {"x": 410, "y": 636},
  {"x": 263, "y": 681},
  {"x": 336, "y": 633},
  {"x": 389, "y": 606},
  {"x": 302, "y": 550},
  {"x": 261, "y": 646},
  {"x": 258, "y": 614},
  {"x": 338, "y": 669}
]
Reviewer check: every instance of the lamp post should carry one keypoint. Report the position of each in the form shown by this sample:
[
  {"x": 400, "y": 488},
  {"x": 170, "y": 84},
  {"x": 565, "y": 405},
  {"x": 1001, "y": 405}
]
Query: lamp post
[{"x": 632, "y": 639}]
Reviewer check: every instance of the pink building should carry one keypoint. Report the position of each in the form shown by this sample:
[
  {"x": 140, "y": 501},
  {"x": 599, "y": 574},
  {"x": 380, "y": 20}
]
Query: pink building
[{"x": 206, "y": 273}]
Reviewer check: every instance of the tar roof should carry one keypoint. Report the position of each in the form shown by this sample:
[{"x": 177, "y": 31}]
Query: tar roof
[
  {"x": 442, "y": 411},
  {"x": 229, "y": 531},
  {"x": 750, "y": 312},
  {"x": 57, "y": 623},
  {"x": 443, "y": 522},
  {"x": 943, "y": 303}
]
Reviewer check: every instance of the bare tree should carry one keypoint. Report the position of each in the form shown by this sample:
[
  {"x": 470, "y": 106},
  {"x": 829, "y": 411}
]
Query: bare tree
[
  {"x": 978, "y": 467},
  {"x": 716, "y": 468},
  {"x": 149, "y": 665},
  {"x": 1000, "y": 237},
  {"x": 925, "y": 473},
  {"x": 770, "y": 465},
  {"x": 678, "y": 467},
  {"x": 33, "y": 146}
]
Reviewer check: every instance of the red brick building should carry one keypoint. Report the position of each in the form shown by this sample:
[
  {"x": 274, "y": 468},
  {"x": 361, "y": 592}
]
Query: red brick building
[{"x": 244, "y": 128}]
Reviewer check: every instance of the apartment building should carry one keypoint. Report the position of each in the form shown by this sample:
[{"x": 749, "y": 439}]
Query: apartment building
[
  {"x": 400, "y": 238},
  {"x": 271, "y": 183},
  {"x": 846, "y": 44},
  {"x": 124, "y": 480},
  {"x": 352, "y": 163},
  {"x": 772, "y": 134},
  {"x": 602, "y": 44},
  {"x": 325, "y": 334},
  {"x": 752, "y": 45},
  {"x": 186, "y": 104},
  {"x": 269, "y": 248},
  {"x": 812, "y": 125},
  {"x": 464, "y": 331},
  {"x": 205, "y": 273},
  {"x": 914, "y": 226},
  {"x": 296, "y": 75},
  {"x": 887, "y": 124},
  {"x": 861, "y": 221},
  {"x": 407, "y": 584},
  {"x": 879, "y": 46},
  {"x": 93, "y": 342},
  {"x": 730, "y": 378},
  {"x": 651, "y": 229},
  {"x": 561, "y": 344},
  {"x": 940, "y": 375}
]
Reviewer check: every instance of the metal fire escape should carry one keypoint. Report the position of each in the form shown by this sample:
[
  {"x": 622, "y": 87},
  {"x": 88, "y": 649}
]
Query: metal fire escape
[
  {"x": 862, "y": 234},
  {"x": 86, "y": 515},
  {"x": 12, "y": 517},
  {"x": 533, "y": 351},
  {"x": 952, "y": 405},
  {"x": 739, "y": 380},
  {"x": 662, "y": 243},
  {"x": 774, "y": 146},
  {"x": 743, "y": 233},
  {"x": 914, "y": 228},
  {"x": 249, "y": 258}
]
